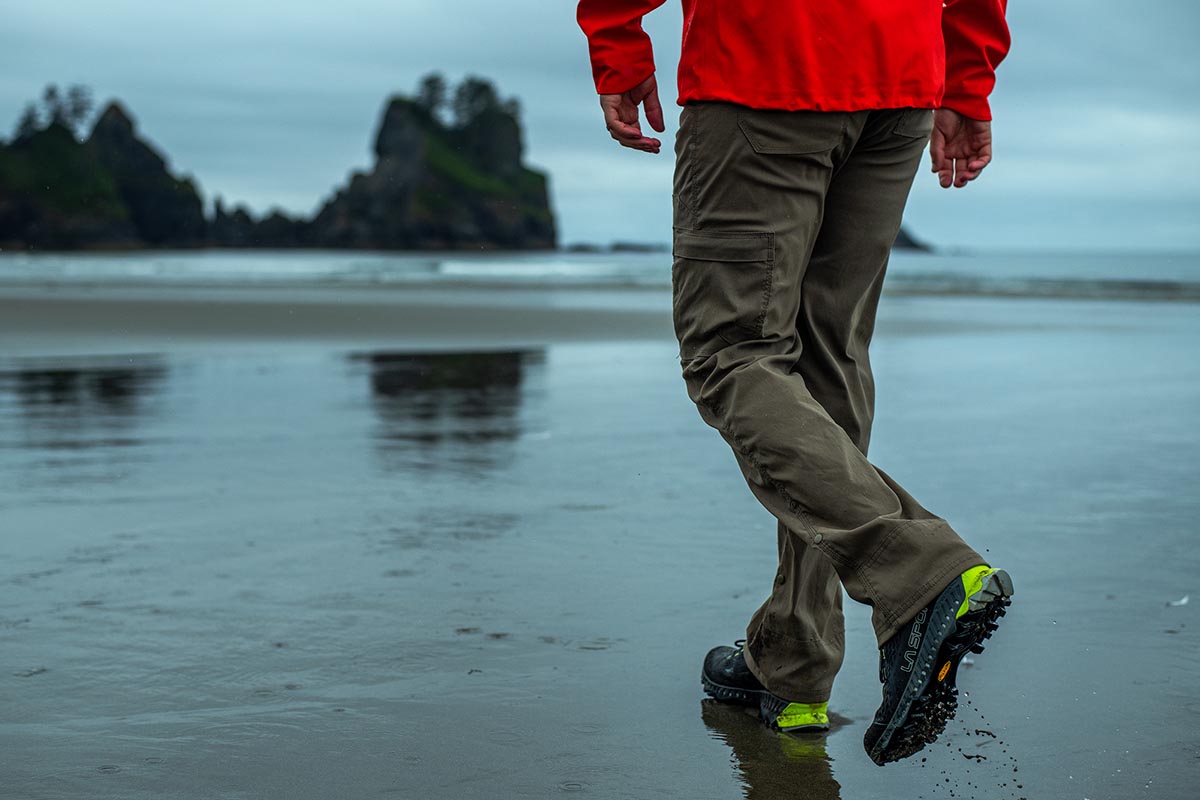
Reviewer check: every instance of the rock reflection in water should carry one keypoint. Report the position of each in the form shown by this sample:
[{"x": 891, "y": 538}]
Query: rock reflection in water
[
  {"x": 449, "y": 410},
  {"x": 80, "y": 418},
  {"x": 773, "y": 765}
]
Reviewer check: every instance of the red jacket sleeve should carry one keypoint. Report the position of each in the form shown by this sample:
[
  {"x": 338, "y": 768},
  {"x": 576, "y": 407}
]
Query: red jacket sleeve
[
  {"x": 977, "y": 40},
  {"x": 621, "y": 53}
]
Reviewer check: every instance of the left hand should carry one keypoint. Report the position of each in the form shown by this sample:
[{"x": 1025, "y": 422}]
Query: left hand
[{"x": 960, "y": 147}]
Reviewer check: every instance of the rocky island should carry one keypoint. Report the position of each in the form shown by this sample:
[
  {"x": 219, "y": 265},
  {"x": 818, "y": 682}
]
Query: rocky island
[{"x": 443, "y": 178}]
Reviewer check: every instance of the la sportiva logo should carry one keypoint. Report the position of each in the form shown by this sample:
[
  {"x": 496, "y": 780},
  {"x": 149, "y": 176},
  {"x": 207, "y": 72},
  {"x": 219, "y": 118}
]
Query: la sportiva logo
[{"x": 914, "y": 641}]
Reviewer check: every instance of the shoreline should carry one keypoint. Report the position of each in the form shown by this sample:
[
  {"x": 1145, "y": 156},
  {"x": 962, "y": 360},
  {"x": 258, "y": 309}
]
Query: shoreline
[{"x": 99, "y": 319}]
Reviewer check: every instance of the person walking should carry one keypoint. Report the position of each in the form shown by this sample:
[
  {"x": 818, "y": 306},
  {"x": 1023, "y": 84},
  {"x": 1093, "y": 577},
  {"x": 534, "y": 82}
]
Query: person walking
[{"x": 802, "y": 127}]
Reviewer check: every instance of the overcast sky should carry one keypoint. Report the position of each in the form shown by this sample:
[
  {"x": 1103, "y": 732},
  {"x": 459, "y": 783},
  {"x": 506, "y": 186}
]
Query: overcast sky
[{"x": 1097, "y": 109}]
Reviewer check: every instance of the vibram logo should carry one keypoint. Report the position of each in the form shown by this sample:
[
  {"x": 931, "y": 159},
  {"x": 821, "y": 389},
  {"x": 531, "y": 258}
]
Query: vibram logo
[
  {"x": 942, "y": 672},
  {"x": 914, "y": 642}
]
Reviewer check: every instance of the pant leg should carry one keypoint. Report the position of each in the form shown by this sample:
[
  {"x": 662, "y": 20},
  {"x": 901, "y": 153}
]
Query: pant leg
[
  {"x": 750, "y": 197},
  {"x": 795, "y": 642},
  {"x": 799, "y": 632},
  {"x": 845, "y": 275}
]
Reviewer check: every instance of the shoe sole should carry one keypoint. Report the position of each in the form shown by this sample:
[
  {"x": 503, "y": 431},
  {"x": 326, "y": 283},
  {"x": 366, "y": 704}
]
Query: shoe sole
[
  {"x": 729, "y": 694},
  {"x": 928, "y": 704}
]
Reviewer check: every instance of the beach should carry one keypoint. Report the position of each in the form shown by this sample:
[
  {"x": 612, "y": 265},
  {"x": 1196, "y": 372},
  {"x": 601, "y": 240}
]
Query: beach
[{"x": 471, "y": 541}]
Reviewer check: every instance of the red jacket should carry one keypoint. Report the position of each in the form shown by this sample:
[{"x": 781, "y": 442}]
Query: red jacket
[{"x": 839, "y": 55}]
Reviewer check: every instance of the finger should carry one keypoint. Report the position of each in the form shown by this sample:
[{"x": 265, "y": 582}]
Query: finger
[
  {"x": 620, "y": 112},
  {"x": 945, "y": 171},
  {"x": 625, "y": 133},
  {"x": 636, "y": 141},
  {"x": 615, "y": 119},
  {"x": 961, "y": 173},
  {"x": 627, "y": 112},
  {"x": 937, "y": 148},
  {"x": 937, "y": 154},
  {"x": 970, "y": 169},
  {"x": 624, "y": 130},
  {"x": 949, "y": 173},
  {"x": 968, "y": 175},
  {"x": 944, "y": 167},
  {"x": 654, "y": 112},
  {"x": 644, "y": 145},
  {"x": 979, "y": 159},
  {"x": 978, "y": 163}
]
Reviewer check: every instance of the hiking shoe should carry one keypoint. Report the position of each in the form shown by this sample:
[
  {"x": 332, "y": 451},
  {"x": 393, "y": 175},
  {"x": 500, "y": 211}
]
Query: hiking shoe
[
  {"x": 919, "y": 664},
  {"x": 726, "y": 678}
]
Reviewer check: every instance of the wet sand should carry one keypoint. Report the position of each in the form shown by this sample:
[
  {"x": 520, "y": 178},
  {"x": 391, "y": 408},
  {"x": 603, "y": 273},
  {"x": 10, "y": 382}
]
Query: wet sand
[
  {"x": 475, "y": 545},
  {"x": 114, "y": 319}
]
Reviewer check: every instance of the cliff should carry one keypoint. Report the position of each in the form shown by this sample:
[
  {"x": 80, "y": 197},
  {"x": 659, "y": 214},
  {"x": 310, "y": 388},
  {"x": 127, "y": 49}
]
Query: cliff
[
  {"x": 164, "y": 209},
  {"x": 434, "y": 186}
]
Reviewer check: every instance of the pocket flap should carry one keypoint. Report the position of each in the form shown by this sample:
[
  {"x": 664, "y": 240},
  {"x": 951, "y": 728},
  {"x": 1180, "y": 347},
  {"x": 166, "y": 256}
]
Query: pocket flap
[
  {"x": 725, "y": 246},
  {"x": 792, "y": 133},
  {"x": 915, "y": 123}
]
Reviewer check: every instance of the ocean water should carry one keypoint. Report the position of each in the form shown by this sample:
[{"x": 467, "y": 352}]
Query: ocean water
[{"x": 1166, "y": 276}]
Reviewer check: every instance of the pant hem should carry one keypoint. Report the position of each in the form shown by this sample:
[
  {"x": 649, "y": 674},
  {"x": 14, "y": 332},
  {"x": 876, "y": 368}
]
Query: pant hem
[
  {"x": 934, "y": 587},
  {"x": 811, "y": 695}
]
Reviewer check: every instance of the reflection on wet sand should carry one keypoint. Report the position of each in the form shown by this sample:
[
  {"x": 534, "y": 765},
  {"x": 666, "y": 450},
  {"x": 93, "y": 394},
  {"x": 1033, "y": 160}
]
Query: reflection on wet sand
[
  {"x": 96, "y": 391},
  {"x": 773, "y": 765},
  {"x": 449, "y": 410},
  {"x": 77, "y": 416}
]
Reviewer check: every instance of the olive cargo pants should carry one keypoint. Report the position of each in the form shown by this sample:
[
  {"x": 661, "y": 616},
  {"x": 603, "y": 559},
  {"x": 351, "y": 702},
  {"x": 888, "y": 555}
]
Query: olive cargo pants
[{"x": 784, "y": 221}]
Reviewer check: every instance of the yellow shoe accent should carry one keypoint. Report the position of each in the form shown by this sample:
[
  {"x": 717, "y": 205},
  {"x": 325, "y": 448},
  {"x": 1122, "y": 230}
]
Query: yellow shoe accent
[
  {"x": 803, "y": 715},
  {"x": 972, "y": 581}
]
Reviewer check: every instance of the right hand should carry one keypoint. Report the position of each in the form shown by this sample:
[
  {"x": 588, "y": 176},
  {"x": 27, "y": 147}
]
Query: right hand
[{"x": 621, "y": 115}]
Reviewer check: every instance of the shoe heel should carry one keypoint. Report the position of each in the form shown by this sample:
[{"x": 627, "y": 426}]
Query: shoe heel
[{"x": 997, "y": 585}]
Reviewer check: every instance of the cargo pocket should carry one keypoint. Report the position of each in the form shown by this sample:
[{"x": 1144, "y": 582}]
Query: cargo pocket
[
  {"x": 721, "y": 287},
  {"x": 914, "y": 123}
]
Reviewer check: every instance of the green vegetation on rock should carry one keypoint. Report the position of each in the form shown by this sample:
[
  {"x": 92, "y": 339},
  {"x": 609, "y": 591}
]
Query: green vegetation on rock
[
  {"x": 448, "y": 174},
  {"x": 449, "y": 164},
  {"x": 56, "y": 171}
]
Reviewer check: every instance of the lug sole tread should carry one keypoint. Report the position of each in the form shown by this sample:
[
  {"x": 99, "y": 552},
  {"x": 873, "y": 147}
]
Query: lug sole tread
[{"x": 929, "y": 713}]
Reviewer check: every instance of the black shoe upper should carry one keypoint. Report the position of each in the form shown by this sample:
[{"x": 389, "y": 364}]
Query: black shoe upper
[
  {"x": 904, "y": 723},
  {"x": 726, "y": 676}
]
